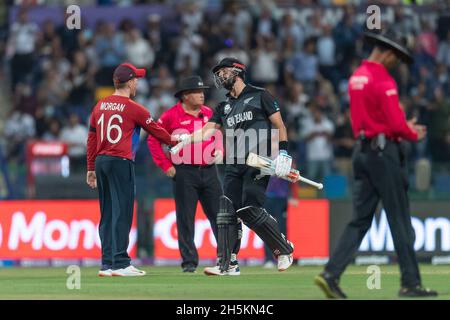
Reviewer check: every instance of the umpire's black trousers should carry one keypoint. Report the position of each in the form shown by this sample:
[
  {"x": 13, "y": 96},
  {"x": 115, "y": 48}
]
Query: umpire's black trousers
[
  {"x": 191, "y": 184},
  {"x": 116, "y": 189},
  {"x": 379, "y": 175}
]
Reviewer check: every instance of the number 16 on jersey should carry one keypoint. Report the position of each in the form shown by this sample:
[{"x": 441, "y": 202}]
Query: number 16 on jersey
[{"x": 110, "y": 128}]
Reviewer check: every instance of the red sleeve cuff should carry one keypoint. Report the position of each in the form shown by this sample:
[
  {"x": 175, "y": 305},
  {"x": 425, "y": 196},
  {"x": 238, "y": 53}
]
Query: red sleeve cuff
[{"x": 165, "y": 166}]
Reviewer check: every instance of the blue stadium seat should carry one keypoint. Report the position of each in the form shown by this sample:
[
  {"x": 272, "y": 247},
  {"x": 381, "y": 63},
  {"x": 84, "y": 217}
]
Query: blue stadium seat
[{"x": 335, "y": 186}]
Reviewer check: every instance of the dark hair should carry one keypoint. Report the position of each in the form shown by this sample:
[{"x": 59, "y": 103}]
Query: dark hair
[{"x": 120, "y": 85}]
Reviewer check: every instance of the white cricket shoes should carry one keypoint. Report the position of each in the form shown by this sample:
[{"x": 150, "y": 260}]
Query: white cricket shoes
[
  {"x": 105, "y": 273},
  {"x": 285, "y": 260},
  {"x": 129, "y": 271},
  {"x": 233, "y": 270}
]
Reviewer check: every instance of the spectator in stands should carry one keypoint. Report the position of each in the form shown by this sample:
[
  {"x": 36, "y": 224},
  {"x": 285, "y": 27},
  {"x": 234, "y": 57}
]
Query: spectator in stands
[
  {"x": 326, "y": 98},
  {"x": 19, "y": 128},
  {"x": 439, "y": 128},
  {"x": 295, "y": 105},
  {"x": 191, "y": 16},
  {"x": 240, "y": 21},
  {"x": 47, "y": 37},
  {"x": 313, "y": 25},
  {"x": 428, "y": 39},
  {"x": 157, "y": 38},
  {"x": 344, "y": 142},
  {"x": 442, "y": 77},
  {"x": 54, "y": 130},
  {"x": 25, "y": 99},
  {"x": 163, "y": 79},
  {"x": 187, "y": 47},
  {"x": 326, "y": 53},
  {"x": 159, "y": 101},
  {"x": 289, "y": 28},
  {"x": 405, "y": 22},
  {"x": 303, "y": 66},
  {"x": 346, "y": 34},
  {"x": 75, "y": 135},
  {"x": 82, "y": 84},
  {"x": 318, "y": 131},
  {"x": 41, "y": 121},
  {"x": 52, "y": 93},
  {"x": 443, "y": 55},
  {"x": 86, "y": 44},
  {"x": 110, "y": 47},
  {"x": 21, "y": 46},
  {"x": 265, "y": 24},
  {"x": 265, "y": 62},
  {"x": 138, "y": 50}
]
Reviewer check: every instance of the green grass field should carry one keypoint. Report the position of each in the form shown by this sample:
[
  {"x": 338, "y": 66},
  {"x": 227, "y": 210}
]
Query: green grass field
[{"x": 255, "y": 283}]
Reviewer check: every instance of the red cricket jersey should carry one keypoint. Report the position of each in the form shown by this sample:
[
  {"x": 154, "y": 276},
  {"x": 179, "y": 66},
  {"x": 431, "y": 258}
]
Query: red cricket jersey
[
  {"x": 115, "y": 127},
  {"x": 176, "y": 121},
  {"x": 374, "y": 105}
]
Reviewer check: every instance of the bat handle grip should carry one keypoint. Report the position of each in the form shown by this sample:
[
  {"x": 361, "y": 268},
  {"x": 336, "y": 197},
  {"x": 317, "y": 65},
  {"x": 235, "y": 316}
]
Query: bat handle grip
[{"x": 310, "y": 182}]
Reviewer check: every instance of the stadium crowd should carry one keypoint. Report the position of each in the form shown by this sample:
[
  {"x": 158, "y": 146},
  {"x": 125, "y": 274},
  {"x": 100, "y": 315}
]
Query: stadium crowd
[{"x": 56, "y": 74}]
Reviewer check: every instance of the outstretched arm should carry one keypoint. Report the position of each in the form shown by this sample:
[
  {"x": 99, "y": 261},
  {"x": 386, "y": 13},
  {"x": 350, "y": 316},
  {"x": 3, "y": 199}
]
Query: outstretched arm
[{"x": 204, "y": 133}]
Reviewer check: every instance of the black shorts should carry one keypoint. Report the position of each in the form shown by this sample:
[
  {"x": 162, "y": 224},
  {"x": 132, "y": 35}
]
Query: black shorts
[{"x": 242, "y": 186}]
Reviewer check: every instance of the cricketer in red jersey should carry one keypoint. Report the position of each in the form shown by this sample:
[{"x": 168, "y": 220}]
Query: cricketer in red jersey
[
  {"x": 379, "y": 166},
  {"x": 112, "y": 143}
]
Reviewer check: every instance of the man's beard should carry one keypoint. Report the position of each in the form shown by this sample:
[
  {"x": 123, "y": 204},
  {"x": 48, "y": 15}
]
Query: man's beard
[{"x": 229, "y": 83}]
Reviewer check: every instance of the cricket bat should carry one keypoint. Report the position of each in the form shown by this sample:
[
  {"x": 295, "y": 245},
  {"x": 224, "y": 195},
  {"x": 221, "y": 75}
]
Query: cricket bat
[{"x": 268, "y": 168}]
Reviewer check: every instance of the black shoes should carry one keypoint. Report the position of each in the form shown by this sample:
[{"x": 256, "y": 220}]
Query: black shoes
[
  {"x": 329, "y": 285},
  {"x": 189, "y": 269},
  {"x": 416, "y": 292}
]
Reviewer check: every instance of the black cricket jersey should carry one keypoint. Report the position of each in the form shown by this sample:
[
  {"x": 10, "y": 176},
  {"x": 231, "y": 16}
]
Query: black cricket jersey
[{"x": 246, "y": 124}]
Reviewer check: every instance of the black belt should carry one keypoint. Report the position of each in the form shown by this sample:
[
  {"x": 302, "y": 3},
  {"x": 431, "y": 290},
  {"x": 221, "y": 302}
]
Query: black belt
[{"x": 377, "y": 142}]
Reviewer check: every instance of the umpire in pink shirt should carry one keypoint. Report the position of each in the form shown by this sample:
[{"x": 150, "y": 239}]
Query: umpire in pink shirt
[{"x": 193, "y": 169}]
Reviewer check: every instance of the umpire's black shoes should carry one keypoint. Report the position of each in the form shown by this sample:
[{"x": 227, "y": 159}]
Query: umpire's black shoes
[
  {"x": 329, "y": 285},
  {"x": 416, "y": 292},
  {"x": 189, "y": 269}
]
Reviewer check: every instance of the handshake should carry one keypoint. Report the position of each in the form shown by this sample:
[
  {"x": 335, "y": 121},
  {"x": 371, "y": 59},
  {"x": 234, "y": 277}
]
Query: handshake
[
  {"x": 282, "y": 163},
  {"x": 183, "y": 139}
]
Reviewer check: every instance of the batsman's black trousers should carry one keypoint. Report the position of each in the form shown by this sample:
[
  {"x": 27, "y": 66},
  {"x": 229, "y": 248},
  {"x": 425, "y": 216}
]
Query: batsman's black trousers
[
  {"x": 379, "y": 175},
  {"x": 244, "y": 187},
  {"x": 116, "y": 190},
  {"x": 191, "y": 184}
]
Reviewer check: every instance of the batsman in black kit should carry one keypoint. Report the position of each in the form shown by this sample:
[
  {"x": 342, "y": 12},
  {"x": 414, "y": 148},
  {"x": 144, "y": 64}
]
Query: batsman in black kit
[{"x": 249, "y": 113}]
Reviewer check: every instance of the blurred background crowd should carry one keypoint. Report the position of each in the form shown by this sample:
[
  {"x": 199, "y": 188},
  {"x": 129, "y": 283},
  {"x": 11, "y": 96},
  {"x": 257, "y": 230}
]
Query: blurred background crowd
[{"x": 301, "y": 51}]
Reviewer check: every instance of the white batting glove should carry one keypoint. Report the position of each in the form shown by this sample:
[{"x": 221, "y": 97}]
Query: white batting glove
[
  {"x": 182, "y": 139},
  {"x": 283, "y": 164},
  {"x": 185, "y": 137}
]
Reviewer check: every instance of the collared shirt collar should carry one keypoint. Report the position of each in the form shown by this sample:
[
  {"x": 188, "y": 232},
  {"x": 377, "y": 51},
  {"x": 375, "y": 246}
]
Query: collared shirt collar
[{"x": 180, "y": 108}]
